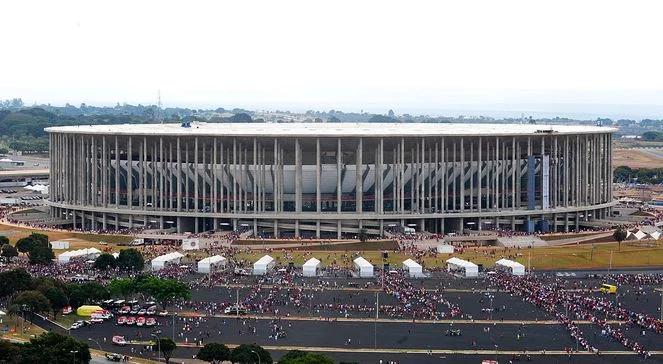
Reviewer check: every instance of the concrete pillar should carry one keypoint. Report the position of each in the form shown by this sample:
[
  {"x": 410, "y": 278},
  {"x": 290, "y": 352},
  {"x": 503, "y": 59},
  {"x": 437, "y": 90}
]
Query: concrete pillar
[
  {"x": 318, "y": 202},
  {"x": 339, "y": 160},
  {"x": 359, "y": 185}
]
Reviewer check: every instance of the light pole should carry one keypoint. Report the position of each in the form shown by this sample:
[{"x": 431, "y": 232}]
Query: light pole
[
  {"x": 95, "y": 341},
  {"x": 156, "y": 336},
  {"x": 253, "y": 351},
  {"x": 377, "y": 315},
  {"x": 174, "y": 314},
  {"x": 73, "y": 355}
]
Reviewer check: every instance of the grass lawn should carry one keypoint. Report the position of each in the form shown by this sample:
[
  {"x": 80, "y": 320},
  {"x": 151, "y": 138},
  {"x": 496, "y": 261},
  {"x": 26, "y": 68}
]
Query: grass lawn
[
  {"x": 76, "y": 240},
  {"x": 564, "y": 257},
  {"x": 14, "y": 233},
  {"x": 67, "y": 320},
  {"x": 15, "y": 325}
]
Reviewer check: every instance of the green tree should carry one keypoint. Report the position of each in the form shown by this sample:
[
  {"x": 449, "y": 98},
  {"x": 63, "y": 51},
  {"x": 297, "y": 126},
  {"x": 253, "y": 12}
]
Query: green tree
[
  {"x": 123, "y": 287},
  {"x": 24, "y": 244},
  {"x": 13, "y": 281},
  {"x": 30, "y": 301},
  {"x": 49, "y": 348},
  {"x": 8, "y": 352},
  {"x": 165, "y": 291},
  {"x": 104, "y": 261},
  {"x": 80, "y": 294},
  {"x": 40, "y": 254},
  {"x": 619, "y": 235},
  {"x": 363, "y": 235},
  {"x": 213, "y": 353},
  {"x": 57, "y": 298},
  {"x": 130, "y": 259},
  {"x": 303, "y": 357},
  {"x": 3, "y": 240},
  {"x": 167, "y": 346},
  {"x": 40, "y": 238},
  {"x": 246, "y": 353},
  {"x": 8, "y": 252}
]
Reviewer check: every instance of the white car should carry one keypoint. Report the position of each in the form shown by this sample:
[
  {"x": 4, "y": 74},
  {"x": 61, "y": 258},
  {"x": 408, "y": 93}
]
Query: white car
[{"x": 76, "y": 325}]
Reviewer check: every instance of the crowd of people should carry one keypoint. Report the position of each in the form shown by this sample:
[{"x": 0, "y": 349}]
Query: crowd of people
[{"x": 568, "y": 306}]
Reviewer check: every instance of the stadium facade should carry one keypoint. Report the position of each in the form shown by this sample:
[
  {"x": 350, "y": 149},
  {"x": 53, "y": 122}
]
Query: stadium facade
[{"x": 330, "y": 179}]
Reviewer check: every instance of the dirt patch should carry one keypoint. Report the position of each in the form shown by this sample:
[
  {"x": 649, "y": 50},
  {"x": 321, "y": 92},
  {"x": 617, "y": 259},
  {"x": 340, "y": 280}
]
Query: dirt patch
[{"x": 635, "y": 158}]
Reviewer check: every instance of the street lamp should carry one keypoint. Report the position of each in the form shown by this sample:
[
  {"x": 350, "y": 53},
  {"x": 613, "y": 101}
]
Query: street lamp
[
  {"x": 253, "y": 351},
  {"x": 156, "y": 336},
  {"x": 97, "y": 342},
  {"x": 73, "y": 356}
]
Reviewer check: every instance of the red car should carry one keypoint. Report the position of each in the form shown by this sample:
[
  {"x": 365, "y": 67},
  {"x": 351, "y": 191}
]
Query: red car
[
  {"x": 121, "y": 320},
  {"x": 131, "y": 320},
  {"x": 124, "y": 310},
  {"x": 140, "y": 321}
]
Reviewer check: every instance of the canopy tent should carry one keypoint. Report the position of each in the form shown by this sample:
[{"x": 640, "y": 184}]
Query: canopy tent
[
  {"x": 467, "y": 269},
  {"x": 263, "y": 265},
  {"x": 162, "y": 261},
  {"x": 116, "y": 255},
  {"x": 59, "y": 244},
  {"x": 413, "y": 268},
  {"x": 445, "y": 249},
  {"x": 84, "y": 254},
  {"x": 363, "y": 268},
  {"x": 636, "y": 234},
  {"x": 310, "y": 268},
  {"x": 211, "y": 264},
  {"x": 654, "y": 235},
  {"x": 514, "y": 268},
  {"x": 88, "y": 310}
]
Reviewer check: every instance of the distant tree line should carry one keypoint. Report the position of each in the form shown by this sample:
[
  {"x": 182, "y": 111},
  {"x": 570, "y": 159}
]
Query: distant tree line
[{"x": 626, "y": 174}]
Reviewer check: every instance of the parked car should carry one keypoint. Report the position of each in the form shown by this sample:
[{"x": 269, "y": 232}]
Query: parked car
[
  {"x": 113, "y": 357},
  {"x": 76, "y": 325},
  {"x": 119, "y": 340},
  {"x": 152, "y": 310},
  {"x": 131, "y": 321},
  {"x": 235, "y": 310},
  {"x": 163, "y": 313},
  {"x": 142, "y": 312},
  {"x": 140, "y": 321},
  {"x": 151, "y": 321},
  {"x": 121, "y": 320}
]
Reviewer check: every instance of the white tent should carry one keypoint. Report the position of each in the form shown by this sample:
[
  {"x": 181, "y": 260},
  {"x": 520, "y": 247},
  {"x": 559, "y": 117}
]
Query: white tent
[
  {"x": 514, "y": 268},
  {"x": 310, "y": 268},
  {"x": 263, "y": 265},
  {"x": 190, "y": 244},
  {"x": 413, "y": 268},
  {"x": 468, "y": 269},
  {"x": 211, "y": 264},
  {"x": 654, "y": 235},
  {"x": 167, "y": 259},
  {"x": 83, "y": 254},
  {"x": 363, "y": 268},
  {"x": 116, "y": 255},
  {"x": 59, "y": 244},
  {"x": 636, "y": 234},
  {"x": 445, "y": 249}
]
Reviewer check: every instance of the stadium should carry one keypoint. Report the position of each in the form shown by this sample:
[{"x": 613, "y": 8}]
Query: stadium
[{"x": 330, "y": 179}]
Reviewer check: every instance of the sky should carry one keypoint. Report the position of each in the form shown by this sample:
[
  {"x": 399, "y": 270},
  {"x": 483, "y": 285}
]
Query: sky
[{"x": 498, "y": 58}]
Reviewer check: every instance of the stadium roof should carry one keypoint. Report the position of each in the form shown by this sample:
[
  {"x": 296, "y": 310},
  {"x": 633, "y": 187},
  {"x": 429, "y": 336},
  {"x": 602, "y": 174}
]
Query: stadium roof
[{"x": 329, "y": 129}]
